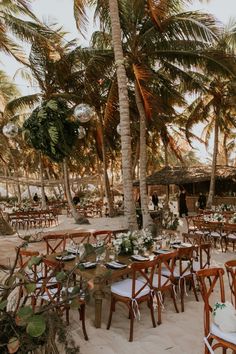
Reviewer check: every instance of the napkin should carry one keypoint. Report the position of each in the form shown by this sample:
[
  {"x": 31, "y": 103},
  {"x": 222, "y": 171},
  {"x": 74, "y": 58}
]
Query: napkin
[
  {"x": 139, "y": 258},
  {"x": 116, "y": 265}
]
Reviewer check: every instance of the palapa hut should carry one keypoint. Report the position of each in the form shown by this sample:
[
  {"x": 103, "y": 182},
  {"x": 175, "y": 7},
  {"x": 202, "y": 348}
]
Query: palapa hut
[{"x": 196, "y": 179}]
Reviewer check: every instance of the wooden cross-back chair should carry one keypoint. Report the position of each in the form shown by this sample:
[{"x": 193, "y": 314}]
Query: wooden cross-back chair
[
  {"x": 215, "y": 233},
  {"x": 211, "y": 331},
  {"x": 183, "y": 272},
  {"x": 54, "y": 291},
  {"x": 29, "y": 275},
  {"x": 133, "y": 291},
  {"x": 231, "y": 273},
  {"x": 79, "y": 237},
  {"x": 163, "y": 284},
  {"x": 102, "y": 235},
  {"x": 230, "y": 235},
  {"x": 204, "y": 257},
  {"x": 55, "y": 243},
  {"x": 194, "y": 239}
]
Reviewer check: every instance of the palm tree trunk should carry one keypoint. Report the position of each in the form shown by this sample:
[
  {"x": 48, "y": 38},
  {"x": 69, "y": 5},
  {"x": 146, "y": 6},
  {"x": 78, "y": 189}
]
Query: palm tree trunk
[
  {"x": 105, "y": 175},
  {"x": 53, "y": 188},
  {"x": 214, "y": 162},
  {"x": 136, "y": 157},
  {"x": 166, "y": 165},
  {"x": 28, "y": 187},
  {"x": 79, "y": 219},
  {"x": 129, "y": 205},
  {"x": 225, "y": 150},
  {"x": 7, "y": 186},
  {"x": 143, "y": 160},
  {"x": 43, "y": 204}
]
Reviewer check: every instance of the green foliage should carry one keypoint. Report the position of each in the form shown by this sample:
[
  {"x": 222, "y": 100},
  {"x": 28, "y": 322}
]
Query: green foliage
[{"x": 50, "y": 129}]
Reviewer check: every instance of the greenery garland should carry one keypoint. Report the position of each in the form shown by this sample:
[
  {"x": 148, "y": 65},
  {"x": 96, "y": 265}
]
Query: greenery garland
[{"x": 51, "y": 130}]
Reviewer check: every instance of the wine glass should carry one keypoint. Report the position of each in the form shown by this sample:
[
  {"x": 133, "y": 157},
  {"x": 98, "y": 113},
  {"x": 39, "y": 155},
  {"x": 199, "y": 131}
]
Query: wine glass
[{"x": 117, "y": 251}]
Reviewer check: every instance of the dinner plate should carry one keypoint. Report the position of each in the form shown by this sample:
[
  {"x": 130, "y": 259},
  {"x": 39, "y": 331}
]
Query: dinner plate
[
  {"x": 88, "y": 265},
  {"x": 116, "y": 265},
  {"x": 162, "y": 251},
  {"x": 72, "y": 250},
  {"x": 139, "y": 258},
  {"x": 68, "y": 257},
  {"x": 186, "y": 244}
]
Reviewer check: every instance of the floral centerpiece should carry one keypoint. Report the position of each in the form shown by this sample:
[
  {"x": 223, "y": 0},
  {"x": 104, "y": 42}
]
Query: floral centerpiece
[
  {"x": 128, "y": 241},
  {"x": 232, "y": 220},
  {"x": 225, "y": 207},
  {"x": 214, "y": 217}
]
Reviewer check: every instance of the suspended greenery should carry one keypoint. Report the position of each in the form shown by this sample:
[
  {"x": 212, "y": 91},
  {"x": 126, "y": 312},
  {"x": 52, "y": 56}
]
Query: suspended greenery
[{"x": 51, "y": 129}]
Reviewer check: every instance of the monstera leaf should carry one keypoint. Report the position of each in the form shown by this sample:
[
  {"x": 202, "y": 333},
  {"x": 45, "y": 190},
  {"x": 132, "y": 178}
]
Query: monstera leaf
[{"x": 51, "y": 129}]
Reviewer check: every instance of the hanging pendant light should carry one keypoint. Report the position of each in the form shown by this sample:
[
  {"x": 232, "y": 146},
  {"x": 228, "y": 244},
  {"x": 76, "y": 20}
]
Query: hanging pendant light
[
  {"x": 83, "y": 112},
  {"x": 10, "y": 130}
]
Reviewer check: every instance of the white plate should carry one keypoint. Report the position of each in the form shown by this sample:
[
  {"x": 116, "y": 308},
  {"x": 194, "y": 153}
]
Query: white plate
[
  {"x": 116, "y": 265},
  {"x": 68, "y": 257},
  {"x": 88, "y": 265},
  {"x": 137, "y": 257}
]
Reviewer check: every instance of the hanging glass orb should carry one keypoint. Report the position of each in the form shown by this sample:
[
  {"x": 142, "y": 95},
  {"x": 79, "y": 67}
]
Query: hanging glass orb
[
  {"x": 118, "y": 129},
  {"x": 10, "y": 130},
  {"x": 81, "y": 132},
  {"x": 83, "y": 112}
]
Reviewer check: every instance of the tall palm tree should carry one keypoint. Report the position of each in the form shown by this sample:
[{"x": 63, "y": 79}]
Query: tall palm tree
[{"x": 129, "y": 207}]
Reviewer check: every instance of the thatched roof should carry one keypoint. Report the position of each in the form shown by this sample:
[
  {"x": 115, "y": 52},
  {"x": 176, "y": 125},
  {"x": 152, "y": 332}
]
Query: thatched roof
[{"x": 183, "y": 175}]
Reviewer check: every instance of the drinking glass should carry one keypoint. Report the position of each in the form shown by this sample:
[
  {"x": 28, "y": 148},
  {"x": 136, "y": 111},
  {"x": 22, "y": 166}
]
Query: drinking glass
[{"x": 136, "y": 250}]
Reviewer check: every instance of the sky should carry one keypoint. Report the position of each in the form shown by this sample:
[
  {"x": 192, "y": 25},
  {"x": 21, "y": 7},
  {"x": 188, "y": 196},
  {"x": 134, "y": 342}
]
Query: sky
[{"x": 61, "y": 11}]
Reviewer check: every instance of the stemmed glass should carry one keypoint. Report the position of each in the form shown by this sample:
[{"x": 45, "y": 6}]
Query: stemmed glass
[{"x": 117, "y": 251}]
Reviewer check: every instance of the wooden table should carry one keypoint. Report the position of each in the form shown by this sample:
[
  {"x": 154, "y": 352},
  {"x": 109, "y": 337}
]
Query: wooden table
[{"x": 99, "y": 276}]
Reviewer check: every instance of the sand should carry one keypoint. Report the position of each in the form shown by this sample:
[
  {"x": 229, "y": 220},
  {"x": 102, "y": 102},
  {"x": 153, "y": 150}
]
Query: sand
[{"x": 179, "y": 333}]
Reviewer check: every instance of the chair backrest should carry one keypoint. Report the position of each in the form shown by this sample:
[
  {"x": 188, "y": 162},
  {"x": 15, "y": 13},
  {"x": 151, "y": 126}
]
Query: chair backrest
[
  {"x": 55, "y": 243},
  {"x": 194, "y": 239},
  {"x": 231, "y": 273},
  {"x": 103, "y": 235},
  {"x": 185, "y": 260},
  {"x": 204, "y": 251},
  {"x": 190, "y": 224},
  {"x": 208, "y": 279},
  {"x": 79, "y": 237},
  {"x": 165, "y": 261},
  {"x": 146, "y": 271},
  {"x": 25, "y": 256},
  {"x": 50, "y": 286}
]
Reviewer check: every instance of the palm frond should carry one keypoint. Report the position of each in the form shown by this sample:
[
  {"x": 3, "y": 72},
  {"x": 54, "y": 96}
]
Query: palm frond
[{"x": 19, "y": 104}]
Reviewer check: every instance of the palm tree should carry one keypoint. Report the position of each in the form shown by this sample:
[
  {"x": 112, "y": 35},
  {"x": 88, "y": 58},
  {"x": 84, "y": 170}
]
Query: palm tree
[
  {"x": 129, "y": 206},
  {"x": 28, "y": 29}
]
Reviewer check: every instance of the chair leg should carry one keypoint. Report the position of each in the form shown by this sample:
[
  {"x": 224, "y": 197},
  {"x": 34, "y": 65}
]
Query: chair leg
[
  {"x": 131, "y": 331},
  {"x": 182, "y": 294},
  {"x": 82, "y": 317},
  {"x": 174, "y": 299},
  {"x": 112, "y": 309},
  {"x": 152, "y": 312},
  {"x": 194, "y": 288},
  {"x": 159, "y": 321}
]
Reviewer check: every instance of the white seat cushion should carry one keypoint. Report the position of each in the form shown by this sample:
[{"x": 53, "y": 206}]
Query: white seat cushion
[
  {"x": 228, "y": 336},
  {"x": 215, "y": 234},
  {"x": 163, "y": 281},
  {"x": 196, "y": 266},
  {"x": 124, "y": 288},
  {"x": 166, "y": 273}
]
